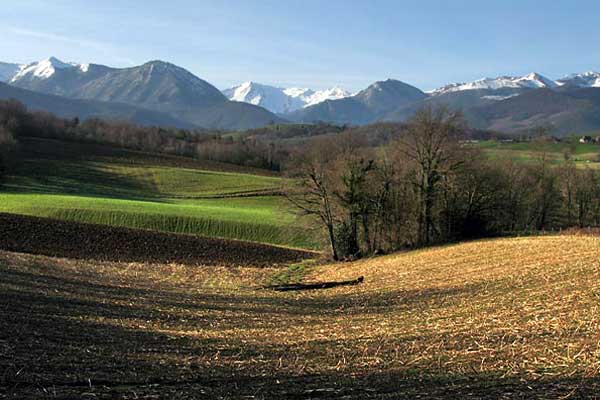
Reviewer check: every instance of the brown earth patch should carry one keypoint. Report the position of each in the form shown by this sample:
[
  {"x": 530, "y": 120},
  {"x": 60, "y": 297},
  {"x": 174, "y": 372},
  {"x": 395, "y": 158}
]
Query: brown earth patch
[{"x": 57, "y": 238}]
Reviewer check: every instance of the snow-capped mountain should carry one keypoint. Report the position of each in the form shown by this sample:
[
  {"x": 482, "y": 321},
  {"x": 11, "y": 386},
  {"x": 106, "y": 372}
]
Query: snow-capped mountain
[
  {"x": 43, "y": 69},
  {"x": 369, "y": 105},
  {"x": 272, "y": 98},
  {"x": 586, "y": 79},
  {"x": 530, "y": 81},
  {"x": 281, "y": 100},
  {"x": 162, "y": 93},
  {"x": 153, "y": 85},
  {"x": 156, "y": 86},
  {"x": 7, "y": 71},
  {"x": 311, "y": 97}
]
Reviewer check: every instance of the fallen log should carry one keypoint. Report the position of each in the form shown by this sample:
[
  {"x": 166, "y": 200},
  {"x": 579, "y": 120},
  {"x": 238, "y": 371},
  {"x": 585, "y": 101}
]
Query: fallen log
[{"x": 314, "y": 286}]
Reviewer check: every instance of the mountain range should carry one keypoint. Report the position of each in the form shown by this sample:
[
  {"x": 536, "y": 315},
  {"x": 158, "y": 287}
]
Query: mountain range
[
  {"x": 507, "y": 104},
  {"x": 155, "y": 86},
  {"x": 160, "y": 93}
]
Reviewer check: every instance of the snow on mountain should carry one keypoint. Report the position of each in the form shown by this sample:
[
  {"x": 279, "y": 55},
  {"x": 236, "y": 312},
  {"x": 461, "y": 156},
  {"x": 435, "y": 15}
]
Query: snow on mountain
[
  {"x": 43, "y": 69},
  {"x": 311, "y": 97},
  {"x": 530, "y": 81},
  {"x": 280, "y": 100},
  {"x": 586, "y": 79},
  {"x": 535, "y": 81},
  {"x": 499, "y": 98},
  {"x": 272, "y": 98},
  {"x": 7, "y": 71}
]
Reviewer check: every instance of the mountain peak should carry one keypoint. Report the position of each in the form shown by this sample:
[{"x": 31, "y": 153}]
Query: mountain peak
[
  {"x": 532, "y": 75},
  {"x": 591, "y": 73},
  {"x": 388, "y": 81},
  {"x": 53, "y": 60},
  {"x": 583, "y": 80},
  {"x": 281, "y": 100},
  {"x": 54, "y": 63},
  {"x": 389, "y": 85},
  {"x": 43, "y": 69},
  {"x": 536, "y": 80},
  {"x": 532, "y": 80},
  {"x": 158, "y": 63},
  {"x": 382, "y": 96}
]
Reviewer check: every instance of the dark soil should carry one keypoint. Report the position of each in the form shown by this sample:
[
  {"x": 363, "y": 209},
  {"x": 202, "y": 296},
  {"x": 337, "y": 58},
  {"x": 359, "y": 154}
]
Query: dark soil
[{"x": 56, "y": 238}]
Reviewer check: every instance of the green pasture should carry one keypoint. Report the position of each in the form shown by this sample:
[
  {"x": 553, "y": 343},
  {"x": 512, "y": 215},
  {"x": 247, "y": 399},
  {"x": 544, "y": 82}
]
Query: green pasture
[
  {"x": 583, "y": 155},
  {"x": 151, "y": 195}
]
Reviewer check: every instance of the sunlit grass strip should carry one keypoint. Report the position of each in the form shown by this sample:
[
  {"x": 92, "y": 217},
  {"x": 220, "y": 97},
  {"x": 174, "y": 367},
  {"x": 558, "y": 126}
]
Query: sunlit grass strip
[
  {"x": 255, "y": 219},
  {"x": 255, "y": 232}
]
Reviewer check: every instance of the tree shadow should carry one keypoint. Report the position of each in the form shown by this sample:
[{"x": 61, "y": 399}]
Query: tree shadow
[{"x": 82, "y": 178}]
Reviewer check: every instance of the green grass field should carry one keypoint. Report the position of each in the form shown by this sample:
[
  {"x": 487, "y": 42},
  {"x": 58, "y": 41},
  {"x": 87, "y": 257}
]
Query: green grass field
[
  {"x": 583, "y": 155},
  {"x": 137, "y": 191},
  {"x": 117, "y": 179}
]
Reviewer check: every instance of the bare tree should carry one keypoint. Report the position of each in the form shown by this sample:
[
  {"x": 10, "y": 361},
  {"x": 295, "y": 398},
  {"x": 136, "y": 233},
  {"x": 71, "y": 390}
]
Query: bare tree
[
  {"x": 569, "y": 176},
  {"x": 433, "y": 147},
  {"x": 7, "y": 145},
  {"x": 311, "y": 188},
  {"x": 547, "y": 198},
  {"x": 356, "y": 198},
  {"x": 586, "y": 190}
]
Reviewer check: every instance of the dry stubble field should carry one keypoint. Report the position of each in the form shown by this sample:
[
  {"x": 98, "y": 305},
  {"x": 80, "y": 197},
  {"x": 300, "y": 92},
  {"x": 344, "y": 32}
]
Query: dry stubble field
[{"x": 505, "y": 318}]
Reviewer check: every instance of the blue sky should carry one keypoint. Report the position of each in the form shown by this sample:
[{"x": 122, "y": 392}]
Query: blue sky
[{"x": 313, "y": 43}]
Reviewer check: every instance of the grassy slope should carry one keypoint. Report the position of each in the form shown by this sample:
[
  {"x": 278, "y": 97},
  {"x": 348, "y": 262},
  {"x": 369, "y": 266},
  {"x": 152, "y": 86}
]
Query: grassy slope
[
  {"x": 116, "y": 179},
  {"x": 97, "y": 185},
  {"x": 506, "y": 318}
]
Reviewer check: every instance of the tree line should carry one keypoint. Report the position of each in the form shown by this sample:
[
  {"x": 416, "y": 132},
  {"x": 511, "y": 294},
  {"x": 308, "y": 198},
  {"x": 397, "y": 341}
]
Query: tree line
[
  {"x": 430, "y": 186},
  {"x": 16, "y": 121}
]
